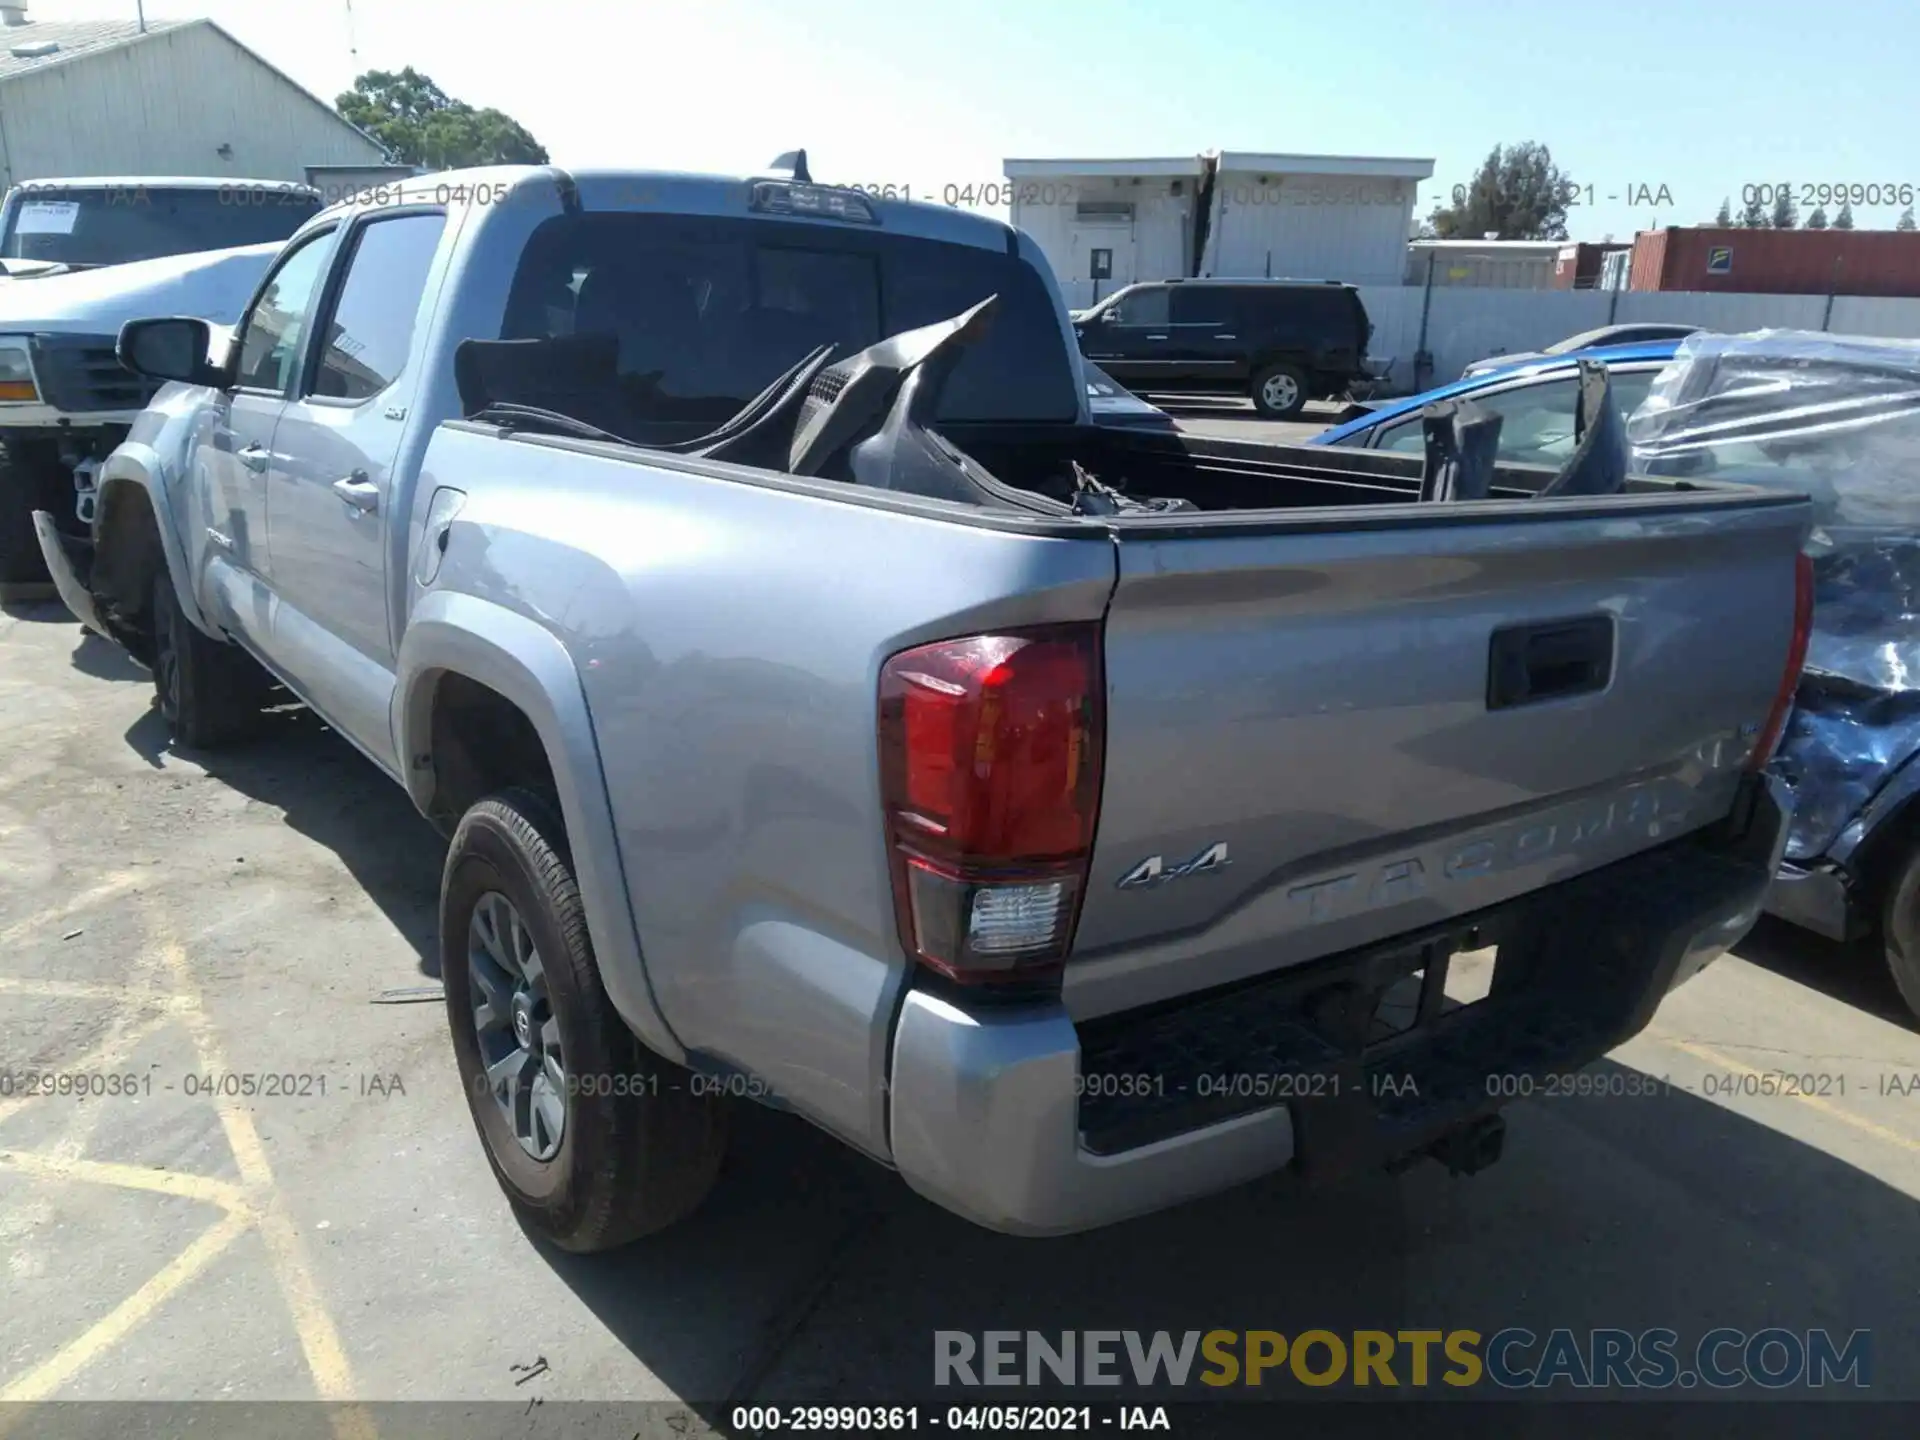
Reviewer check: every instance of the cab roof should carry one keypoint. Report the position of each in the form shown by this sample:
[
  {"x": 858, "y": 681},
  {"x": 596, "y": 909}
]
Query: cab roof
[
  {"x": 160, "y": 182},
  {"x": 677, "y": 193}
]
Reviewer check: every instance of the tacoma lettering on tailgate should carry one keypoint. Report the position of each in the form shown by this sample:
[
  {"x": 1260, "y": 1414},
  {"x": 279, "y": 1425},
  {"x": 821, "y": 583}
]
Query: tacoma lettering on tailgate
[{"x": 1644, "y": 809}]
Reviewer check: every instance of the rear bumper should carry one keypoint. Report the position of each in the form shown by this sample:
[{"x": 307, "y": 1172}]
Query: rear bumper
[{"x": 987, "y": 1115}]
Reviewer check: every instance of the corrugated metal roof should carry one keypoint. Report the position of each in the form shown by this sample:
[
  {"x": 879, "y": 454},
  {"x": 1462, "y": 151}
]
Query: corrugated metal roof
[{"x": 74, "y": 37}]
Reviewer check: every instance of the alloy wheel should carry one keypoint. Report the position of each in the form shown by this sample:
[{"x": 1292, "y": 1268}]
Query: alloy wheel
[
  {"x": 513, "y": 1020},
  {"x": 1280, "y": 392}
]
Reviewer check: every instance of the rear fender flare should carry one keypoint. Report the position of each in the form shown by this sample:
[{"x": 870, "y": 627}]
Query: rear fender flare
[{"x": 450, "y": 633}]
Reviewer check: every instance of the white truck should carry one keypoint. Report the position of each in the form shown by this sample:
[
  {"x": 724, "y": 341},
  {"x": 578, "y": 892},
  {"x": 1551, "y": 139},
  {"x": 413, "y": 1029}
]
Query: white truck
[{"x": 81, "y": 258}]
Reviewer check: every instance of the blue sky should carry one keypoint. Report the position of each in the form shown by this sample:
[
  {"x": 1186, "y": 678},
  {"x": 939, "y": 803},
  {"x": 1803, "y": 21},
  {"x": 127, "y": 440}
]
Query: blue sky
[{"x": 1697, "y": 96}]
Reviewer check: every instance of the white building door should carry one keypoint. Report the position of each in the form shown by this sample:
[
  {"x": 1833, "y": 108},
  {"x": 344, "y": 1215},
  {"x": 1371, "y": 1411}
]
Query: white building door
[{"x": 1117, "y": 241}]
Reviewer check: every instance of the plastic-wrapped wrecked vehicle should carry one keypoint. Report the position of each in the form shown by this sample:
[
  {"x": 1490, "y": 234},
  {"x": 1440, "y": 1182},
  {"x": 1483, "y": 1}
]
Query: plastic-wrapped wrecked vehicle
[{"x": 1839, "y": 419}]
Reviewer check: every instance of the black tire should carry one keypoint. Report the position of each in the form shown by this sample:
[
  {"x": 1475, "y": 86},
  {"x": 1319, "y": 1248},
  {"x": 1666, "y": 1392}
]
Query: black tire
[
  {"x": 637, "y": 1150},
  {"x": 27, "y": 483},
  {"x": 210, "y": 693},
  {"x": 1279, "y": 391},
  {"x": 1900, "y": 931}
]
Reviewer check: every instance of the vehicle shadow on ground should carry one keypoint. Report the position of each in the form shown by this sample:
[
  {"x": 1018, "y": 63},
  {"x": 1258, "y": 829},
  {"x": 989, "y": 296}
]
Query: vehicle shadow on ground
[
  {"x": 1854, "y": 973},
  {"x": 330, "y": 793},
  {"x": 37, "y": 612},
  {"x": 103, "y": 660},
  {"x": 1625, "y": 1211}
]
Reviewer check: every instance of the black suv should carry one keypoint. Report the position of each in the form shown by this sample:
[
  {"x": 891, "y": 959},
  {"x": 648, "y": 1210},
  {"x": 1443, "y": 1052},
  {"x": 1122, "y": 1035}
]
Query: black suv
[{"x": 1284, "y": 342}]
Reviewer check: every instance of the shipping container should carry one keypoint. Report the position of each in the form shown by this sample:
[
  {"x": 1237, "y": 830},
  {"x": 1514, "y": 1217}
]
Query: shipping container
[
  {"x": 1579, "y": 264},
  {"x": 1778, "y": 262}
]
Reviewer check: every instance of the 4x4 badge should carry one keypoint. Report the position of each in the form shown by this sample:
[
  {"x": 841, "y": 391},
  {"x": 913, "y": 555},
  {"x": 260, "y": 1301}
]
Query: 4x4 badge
[{"x": 1154, "y": 870}]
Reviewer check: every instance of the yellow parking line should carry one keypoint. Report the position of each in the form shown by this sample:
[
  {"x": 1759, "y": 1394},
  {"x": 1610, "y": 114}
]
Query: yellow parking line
[
  {"x": 1816, "y": 1102},
  {"x": 319, "y": 1338},
  {"x": 47, "y": 1377},
  {"x": 187, "y": 1186},
  {"x": 121, "y": 1041},
  {"x": 71, "y": 906},
  {"x": 256, "y": 1200}
]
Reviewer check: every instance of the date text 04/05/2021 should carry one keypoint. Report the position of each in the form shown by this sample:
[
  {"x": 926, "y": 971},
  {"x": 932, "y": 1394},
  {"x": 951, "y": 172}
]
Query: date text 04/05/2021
[{"x": 987, "y": 1419}]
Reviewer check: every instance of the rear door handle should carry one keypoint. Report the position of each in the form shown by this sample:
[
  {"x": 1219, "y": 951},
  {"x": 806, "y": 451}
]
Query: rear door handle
[
  {"x": 1156, "y": 337},
  {"x": 255, "y": 458},
  {"x": 360, "y": 493},
  {"x": 1530, "y": 663},
  {"x": 1226, "y": 337}
]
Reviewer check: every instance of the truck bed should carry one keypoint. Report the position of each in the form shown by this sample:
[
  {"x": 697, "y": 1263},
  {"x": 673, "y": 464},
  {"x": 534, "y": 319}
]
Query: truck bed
[
  {"x": 1389, "y": 713},
  {"x": 1215, "y": 473}
]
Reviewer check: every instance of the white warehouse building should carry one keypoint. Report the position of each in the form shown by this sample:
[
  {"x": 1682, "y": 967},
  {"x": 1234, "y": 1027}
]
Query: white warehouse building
[
  {"x": 1231, "y": 214},
  {"x": 170, "y": 97},
  {"x": 1106, "y": 223},
  {"x": 1312, "y": 217}
]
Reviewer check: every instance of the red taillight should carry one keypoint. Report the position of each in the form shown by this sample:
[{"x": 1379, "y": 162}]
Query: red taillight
[
  {"x": 1769, "y": 738},
  {"x": 990, "y": 749}
]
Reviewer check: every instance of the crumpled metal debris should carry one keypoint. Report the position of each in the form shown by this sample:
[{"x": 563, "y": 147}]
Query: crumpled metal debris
[{"x": 1836, "y": 418}]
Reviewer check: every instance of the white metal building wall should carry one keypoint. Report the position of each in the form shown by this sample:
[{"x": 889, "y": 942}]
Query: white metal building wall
[
  {"x": 1310, "y": 227},
  {"x": 1151, "y": 244},
  {"x": 164, "y": 106}
]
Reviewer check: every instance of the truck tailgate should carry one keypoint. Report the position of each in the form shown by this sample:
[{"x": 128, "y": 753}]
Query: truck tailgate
[{"x": 1334, "y": 730}]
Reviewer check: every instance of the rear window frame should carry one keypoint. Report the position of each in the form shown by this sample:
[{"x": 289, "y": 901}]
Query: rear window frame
[{"x": 898, "y": 259}]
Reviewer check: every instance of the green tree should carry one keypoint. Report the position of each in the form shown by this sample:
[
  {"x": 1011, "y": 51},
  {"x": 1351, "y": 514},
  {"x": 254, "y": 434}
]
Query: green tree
[
  {"x": 1844, "y": 220},
  {"x": 420, "y": 124},
  {"x": 1518, "y": 193},
  {"x": 1786, "y": 215},
  {"x": 1906, "y": 222},
  {"x": 1725, "y": 217},
  {"x": 1818, "y": 219},
  {"x": 1754, "y": 216}
]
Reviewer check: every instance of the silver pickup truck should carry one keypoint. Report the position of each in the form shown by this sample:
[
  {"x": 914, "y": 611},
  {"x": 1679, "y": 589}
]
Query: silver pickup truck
[{"x": 1076, "y": 819}]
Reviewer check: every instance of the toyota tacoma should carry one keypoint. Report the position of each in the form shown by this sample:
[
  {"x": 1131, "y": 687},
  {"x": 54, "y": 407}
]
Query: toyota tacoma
[{"x": 1074, "y": 818}]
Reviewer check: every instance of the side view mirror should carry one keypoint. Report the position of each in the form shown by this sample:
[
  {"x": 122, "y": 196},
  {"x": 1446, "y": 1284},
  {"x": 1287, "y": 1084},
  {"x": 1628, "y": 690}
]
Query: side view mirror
[{"x": 171, "y": 349}]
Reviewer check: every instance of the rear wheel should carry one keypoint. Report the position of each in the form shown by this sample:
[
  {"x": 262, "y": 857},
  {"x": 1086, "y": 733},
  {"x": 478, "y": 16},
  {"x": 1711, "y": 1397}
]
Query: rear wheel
[
  {"x": 1900, "y": 931},
  {"x": 1279, "y": 392},
  {"x": 594, "y": 1139},
  {"x": 211, "y": 694}
]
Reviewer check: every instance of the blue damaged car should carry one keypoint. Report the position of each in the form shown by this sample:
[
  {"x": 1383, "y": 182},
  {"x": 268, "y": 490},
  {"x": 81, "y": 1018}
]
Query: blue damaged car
[{"x": 1837, "y": 418}]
